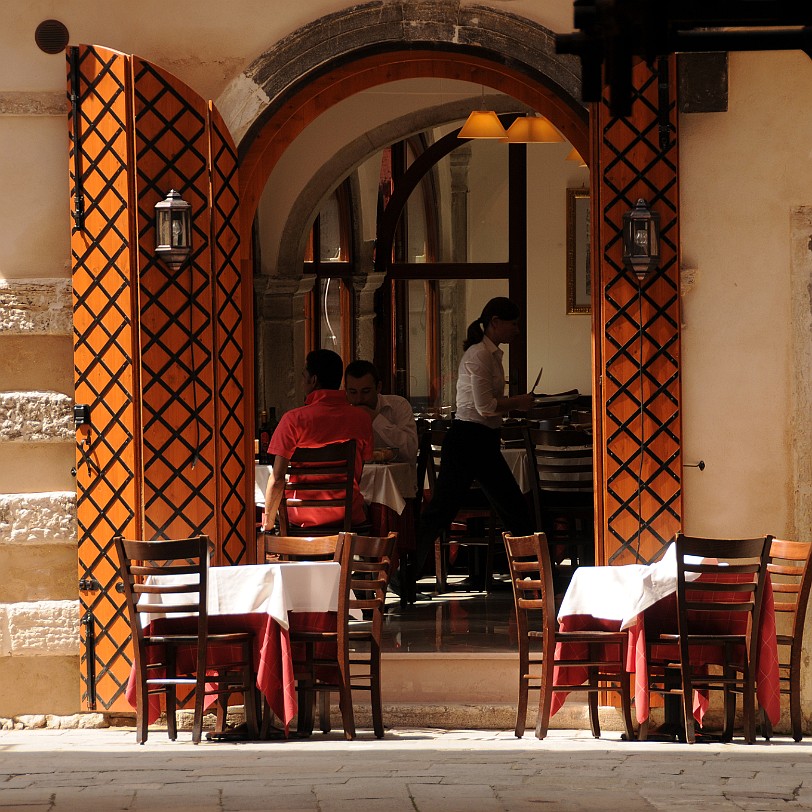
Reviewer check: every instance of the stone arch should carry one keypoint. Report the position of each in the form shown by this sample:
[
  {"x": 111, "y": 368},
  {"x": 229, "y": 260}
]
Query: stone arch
[{"x": 292, "y": 83}]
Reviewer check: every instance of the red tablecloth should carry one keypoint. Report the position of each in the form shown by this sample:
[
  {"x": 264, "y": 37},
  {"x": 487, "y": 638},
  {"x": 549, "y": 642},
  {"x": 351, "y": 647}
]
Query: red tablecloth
[
  {"x": 662, "y": 618},
  {"x": 273, "y": 657}
]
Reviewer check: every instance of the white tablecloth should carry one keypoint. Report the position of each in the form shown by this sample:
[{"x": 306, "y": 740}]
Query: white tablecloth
[
  {"x": 273, "y": 589},
  {"x": 621, "y": 593},
  {"x": 516, "y": 459},
  {"x": 387, "y": 484}
]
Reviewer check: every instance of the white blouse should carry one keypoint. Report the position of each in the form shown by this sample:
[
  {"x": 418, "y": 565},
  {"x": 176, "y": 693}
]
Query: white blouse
[{"x": 481, "y": 379}]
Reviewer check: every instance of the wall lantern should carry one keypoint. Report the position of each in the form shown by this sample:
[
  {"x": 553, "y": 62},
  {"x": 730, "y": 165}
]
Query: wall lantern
[
  {"x": 173, "y": 230},
  {"x": 641, "y": 239}
]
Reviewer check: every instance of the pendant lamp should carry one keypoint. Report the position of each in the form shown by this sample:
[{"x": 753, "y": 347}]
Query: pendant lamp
[
  {"x": 482, "y": 123},
  {"x": 534, "y": 129}
]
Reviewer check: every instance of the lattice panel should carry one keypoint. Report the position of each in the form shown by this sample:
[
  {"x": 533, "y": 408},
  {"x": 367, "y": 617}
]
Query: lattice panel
[
  {"x": 235, "y": 522},
  {"x": 159, "y": 355},
  {"x": 103, "y": 352},
  {"x": 171, "y": 144},
  {"x": 640, "y": 346}
]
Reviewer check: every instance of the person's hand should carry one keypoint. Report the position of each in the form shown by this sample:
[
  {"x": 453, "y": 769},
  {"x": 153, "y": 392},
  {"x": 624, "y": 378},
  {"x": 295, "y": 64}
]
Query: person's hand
[
  {"x": 370, "y": 411},
  {"x": 524, "y": 402}
]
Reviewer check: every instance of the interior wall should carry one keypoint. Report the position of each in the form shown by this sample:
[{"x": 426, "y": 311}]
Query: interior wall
[{"x": 559, "y": 341}]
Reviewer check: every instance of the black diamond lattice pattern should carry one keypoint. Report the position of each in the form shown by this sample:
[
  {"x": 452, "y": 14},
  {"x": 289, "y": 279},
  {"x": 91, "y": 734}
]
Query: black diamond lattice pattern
[{"x": 642, "y": 459}]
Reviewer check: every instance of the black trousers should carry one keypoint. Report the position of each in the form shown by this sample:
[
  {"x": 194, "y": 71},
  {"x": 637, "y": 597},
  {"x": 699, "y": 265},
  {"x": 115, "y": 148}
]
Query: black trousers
[{"x": 470, "y": 452}]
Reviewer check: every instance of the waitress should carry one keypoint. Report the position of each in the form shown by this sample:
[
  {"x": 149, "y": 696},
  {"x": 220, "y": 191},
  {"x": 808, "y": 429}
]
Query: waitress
[{"x": 472, "y": 447}]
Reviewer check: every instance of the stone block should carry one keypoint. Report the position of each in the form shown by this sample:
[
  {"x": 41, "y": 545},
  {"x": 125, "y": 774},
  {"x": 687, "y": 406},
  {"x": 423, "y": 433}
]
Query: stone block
[
  {"x": 38, "y": 518},
  {"x": 42, "y": 628},
  {"x": 37, "y": 467},
  {"x": 36, "y": 417},
  {"x": 35, "y": 306},
  {"x": 38, "y": 573},
  {"x": 37, "y": 362},
  {"x": 39, "y": 685}
]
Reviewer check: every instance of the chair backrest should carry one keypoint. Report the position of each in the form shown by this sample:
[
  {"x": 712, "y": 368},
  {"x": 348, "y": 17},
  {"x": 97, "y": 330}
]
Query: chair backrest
[
  {"x": 715, "y": 572},
  {"x": 531, "y": 575},
  {"x": 160, "y": 574},
  {"x": 321, "y": 477},
  {"x": 429, "y": 462},
  {"x": 790, "y": 571},
  {"x": 366, "y": 566},
  {"x": 299, "y": 548}
]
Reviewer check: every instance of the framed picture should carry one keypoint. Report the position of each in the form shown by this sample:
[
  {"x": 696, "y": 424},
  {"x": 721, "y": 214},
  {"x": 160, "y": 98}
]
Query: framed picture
[{"x": 579, "y": 275}]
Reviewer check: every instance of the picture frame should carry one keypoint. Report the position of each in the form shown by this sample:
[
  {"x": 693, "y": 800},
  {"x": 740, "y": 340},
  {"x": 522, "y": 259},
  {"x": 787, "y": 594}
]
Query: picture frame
[{"x": 579, "y": 271}]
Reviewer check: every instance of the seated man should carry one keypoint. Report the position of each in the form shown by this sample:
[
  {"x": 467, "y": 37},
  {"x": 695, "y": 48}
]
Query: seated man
[
  {"x": 392, "y": 418},
  {"x": 325, "y": 418}
]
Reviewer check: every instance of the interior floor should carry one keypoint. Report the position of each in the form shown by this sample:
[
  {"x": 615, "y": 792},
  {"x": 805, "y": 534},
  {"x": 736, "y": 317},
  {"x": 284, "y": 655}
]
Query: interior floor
[{"x": 459, "y": 620}]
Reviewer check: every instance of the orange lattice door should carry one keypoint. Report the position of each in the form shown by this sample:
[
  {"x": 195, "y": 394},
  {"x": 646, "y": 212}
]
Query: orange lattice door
[
  {"x": 637, "y": 325},
  {"x": 159, "y": 354}
]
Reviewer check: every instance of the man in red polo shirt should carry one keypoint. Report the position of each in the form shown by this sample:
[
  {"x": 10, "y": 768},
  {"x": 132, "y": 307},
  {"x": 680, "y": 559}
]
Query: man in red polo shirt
[{"x": 326, "y": 418}]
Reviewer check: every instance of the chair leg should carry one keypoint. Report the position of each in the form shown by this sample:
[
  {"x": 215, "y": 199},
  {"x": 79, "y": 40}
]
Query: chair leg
[
  {"x": 687, "y": 706},
  {"x": 200, "y": 695},
  {"x": 171, "y": 695},
  {"x": 375, "y": 691},
  {"x": 325, "y": 725},
  {"x": 249, "y": 695},
  {"x": 626, "y": 704},
  {"x": 749, "y": 707},
  {"x": 524, "y": 689},
  {"x": 764, "y": 723},
  {"x": 307, "y": 707},
  {"x": 545, "y": 696},
  {"x": 594, "y": 720},
  {"x": 440, "y": 579},
  {"x": 794, "y": 704},
  {"x": 142, "y": 713}
]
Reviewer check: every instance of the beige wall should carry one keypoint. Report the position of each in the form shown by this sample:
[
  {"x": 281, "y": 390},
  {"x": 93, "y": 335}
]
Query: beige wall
[{"x": 741, "y": 174}]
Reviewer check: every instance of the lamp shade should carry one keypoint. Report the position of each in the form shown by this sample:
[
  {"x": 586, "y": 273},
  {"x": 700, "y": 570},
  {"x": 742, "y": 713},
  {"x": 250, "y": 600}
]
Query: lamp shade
[
  {"x": 482, "y": 124},
  {"x": 641, "y": 239},
  {"x": 533, "y": 130}
]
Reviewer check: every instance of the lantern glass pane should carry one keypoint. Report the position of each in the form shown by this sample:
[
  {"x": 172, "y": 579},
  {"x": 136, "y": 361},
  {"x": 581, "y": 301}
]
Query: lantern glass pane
[
  {"x": 162, "y": 227},
  {"x": 179, "y": 233}
]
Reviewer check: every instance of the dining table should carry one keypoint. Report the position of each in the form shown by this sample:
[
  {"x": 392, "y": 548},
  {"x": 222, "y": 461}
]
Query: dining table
[
  {"x": 641, "y": 599},
  {"x": 267, "y": 600}
]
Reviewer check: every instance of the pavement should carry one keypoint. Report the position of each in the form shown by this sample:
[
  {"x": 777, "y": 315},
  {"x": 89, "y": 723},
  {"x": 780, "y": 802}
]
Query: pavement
[{"x": 410, "y": 770}]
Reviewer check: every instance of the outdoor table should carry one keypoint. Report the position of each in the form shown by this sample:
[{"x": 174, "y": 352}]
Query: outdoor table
[
  {"x": 267, "y": 600},
  {"x": 638, "y": 598}
]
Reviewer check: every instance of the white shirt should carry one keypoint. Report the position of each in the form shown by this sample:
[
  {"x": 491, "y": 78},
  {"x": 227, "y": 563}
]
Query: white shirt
[
  {"x": 481, "y": 379},
  {"x": 394, "y": 427}
]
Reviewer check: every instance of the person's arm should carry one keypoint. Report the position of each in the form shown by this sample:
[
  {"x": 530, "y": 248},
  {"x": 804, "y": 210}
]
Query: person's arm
[
  {"x": 487, "y": 402},
  {"x": 275, "y": 491},
  {"x": 399, "y": 431}
]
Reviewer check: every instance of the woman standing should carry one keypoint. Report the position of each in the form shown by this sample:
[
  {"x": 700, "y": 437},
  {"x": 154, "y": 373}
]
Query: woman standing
[{"x": 472, "y": 447}]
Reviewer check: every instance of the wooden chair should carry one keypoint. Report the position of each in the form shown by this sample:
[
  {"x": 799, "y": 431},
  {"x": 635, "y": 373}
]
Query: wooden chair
[
  {"x": 532, "y": 577},
  {"x": 791, "y": 577},
  {"x": 157, "y": 573},
  {"x": 280, "y": 549},
  {"x": 476, "y": 523},
  {"x": 562, "y": 487},
  {"x": 356, "y": 664},
  {"x": 713, "y": 573},
  {"x": 287, "y": 549},
  {"x": 320, "y": 478}
]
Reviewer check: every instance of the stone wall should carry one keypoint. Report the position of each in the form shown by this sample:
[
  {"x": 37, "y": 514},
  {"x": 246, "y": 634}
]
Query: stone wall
[{"x": 39, "y": 623}]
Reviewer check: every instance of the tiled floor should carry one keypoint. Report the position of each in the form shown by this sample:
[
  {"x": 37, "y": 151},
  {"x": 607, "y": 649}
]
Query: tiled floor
[{"x": 460, "y": 620}]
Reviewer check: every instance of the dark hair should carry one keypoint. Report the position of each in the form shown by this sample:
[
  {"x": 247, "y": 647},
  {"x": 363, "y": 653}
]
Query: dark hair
[
  {"x": 500, "y": 307},
  {"x": 357, "y": 369},
  {"x": 327, "y": 366}
]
